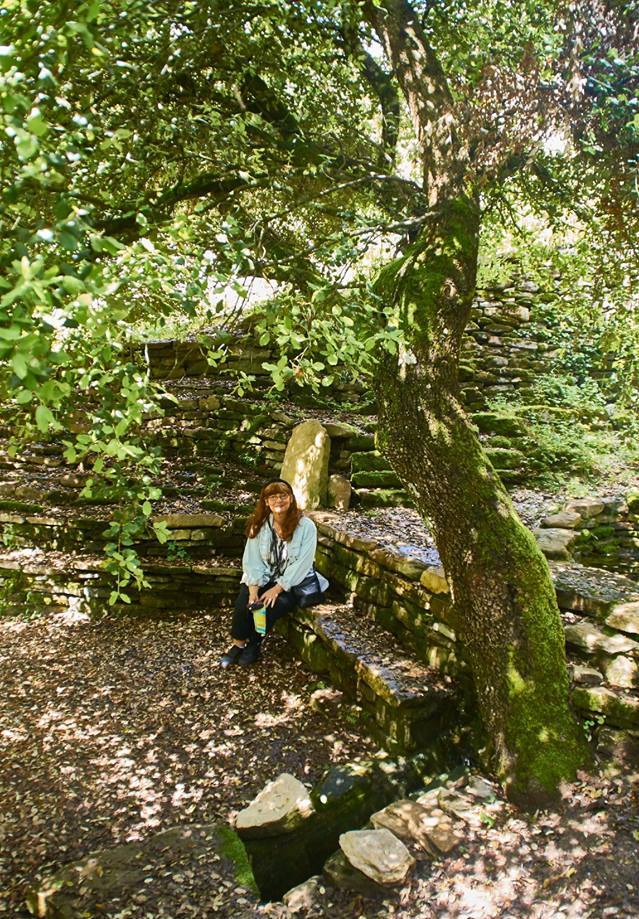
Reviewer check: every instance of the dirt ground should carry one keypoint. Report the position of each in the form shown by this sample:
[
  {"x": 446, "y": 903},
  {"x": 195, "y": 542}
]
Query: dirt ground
[{"x": 114, "y": 730}]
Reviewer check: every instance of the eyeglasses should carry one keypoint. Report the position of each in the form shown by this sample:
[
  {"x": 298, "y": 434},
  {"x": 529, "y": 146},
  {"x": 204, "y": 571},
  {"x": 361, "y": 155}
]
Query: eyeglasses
[{"x": 278, "y": 498}]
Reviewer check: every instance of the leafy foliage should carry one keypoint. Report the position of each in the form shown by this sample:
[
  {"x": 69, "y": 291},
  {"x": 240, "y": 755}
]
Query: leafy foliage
[{"x": 161, "y": 154}]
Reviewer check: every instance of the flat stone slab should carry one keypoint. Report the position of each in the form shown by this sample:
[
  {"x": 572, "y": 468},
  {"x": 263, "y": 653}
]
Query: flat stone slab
[
  {"x": 620, "y": 708},
  {"x": 586, "y": 507},
  {"x": 406, "y": 819},
  {"x": 591, "y": 590},
  {"x": 443, "y": 833},
  {"x": 583, "y": 675},
  {"x": 461, "y": 807},
  {"x": 588, "y": 637},
  {"x": 190, "y": 521},
  {"x": 625, "y": 617},
  {"x": 621, "y": 671},
  {"x": 302, "y": 898},
  {"x": 566, "y": 520},
  {"x": 281, "y": 806},
  {"x": 122, "y": 878},
  {"x": 378, "y": 854},
  {"x": 556, "y": 542},
  {"x": 391, "y": 673}
]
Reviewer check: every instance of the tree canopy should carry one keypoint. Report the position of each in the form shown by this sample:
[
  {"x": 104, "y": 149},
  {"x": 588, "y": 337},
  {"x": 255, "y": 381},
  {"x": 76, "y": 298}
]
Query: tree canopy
[{"x": 359, "y": 154}]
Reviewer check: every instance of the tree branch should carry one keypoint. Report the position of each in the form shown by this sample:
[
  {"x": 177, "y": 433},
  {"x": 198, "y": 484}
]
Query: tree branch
[{"x": 430, "y": 102}]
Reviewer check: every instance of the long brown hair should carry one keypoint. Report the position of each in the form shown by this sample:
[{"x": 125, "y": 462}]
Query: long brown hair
[{"x": 261, "y": 512}]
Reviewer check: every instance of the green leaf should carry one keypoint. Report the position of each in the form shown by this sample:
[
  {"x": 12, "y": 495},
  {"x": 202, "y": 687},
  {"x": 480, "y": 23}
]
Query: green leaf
[
  {"x": 11, "y": 333},
  {"x": 162, "y": 532},
  {"x": 73, "y": 285},
  {"x": 24, "y": 396},
  {"x": 68, "y": 241},
  {"x": 26, "y": 145},
  {"x": 19, "y": 364},
  {"x": 44, "y": 418},
  {"x": 37, "y": 125},
  {"x": 70, "y": 454}
]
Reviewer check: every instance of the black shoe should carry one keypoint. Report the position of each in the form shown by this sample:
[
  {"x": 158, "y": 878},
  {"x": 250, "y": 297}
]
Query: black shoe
[
  {"x": 250, "y": 654},
  {"x": 231, "y": 657}
]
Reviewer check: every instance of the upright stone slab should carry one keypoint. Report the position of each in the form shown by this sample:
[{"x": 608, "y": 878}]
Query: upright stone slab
[
  {"x": 305, "y": 463},
  {"x": 281, "y": 806}
]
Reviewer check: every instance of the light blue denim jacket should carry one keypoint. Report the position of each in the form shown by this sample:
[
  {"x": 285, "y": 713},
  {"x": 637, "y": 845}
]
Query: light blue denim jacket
[{"x": 301, "y": 554}]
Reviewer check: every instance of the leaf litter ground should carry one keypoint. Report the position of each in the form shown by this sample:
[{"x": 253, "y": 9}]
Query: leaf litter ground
[{"x": 117, "y": 729}]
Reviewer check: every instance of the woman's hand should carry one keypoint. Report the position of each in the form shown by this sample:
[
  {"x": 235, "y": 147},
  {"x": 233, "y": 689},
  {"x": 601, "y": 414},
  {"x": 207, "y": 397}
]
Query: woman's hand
[
  {"x": 269, "y": 597},
  {"x": 254, "y": 592}
]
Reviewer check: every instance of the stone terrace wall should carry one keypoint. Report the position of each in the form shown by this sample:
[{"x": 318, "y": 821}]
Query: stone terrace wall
[
  {"x": 602, "y": 532},
  {"x": 505, "y": 346},
  {"x": 411, "y": 599},
  {"x": 203, "y": 425}
]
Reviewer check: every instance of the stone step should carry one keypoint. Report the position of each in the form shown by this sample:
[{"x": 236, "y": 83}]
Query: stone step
[
  {"x": 35, "y": 581},
  {"x": 405, "y": 703},
  {"x": 200, "y": 534},
  {"x": 591, "y": 591}
]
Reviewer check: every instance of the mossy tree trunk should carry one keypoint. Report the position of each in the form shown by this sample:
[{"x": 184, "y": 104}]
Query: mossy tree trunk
[{"x": 509, "y": 621}]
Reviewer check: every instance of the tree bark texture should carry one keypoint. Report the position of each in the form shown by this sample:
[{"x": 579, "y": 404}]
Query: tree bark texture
[{"x": 508, "y": 619}]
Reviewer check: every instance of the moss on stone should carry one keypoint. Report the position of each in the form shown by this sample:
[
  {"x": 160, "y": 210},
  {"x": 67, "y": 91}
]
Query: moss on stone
[
  {"x": 369, "y": 461},
  {"x": 376, "y": 479},
  {"x": 232, "y": 847},
  {"x": 21, "y": 507}
]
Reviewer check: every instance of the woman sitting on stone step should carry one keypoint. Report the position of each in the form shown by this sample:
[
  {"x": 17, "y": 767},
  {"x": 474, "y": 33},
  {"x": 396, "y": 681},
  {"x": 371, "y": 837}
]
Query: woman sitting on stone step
[{"x": 278, "y": 558}]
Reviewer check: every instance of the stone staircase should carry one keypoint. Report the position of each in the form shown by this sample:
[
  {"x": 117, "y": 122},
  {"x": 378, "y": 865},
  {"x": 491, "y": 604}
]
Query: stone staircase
[
  {"x": 391, "y": 647},
  {"x": 404, "y": 703}
]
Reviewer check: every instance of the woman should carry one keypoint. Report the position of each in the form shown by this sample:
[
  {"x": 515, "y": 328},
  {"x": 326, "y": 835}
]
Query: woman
[{"x": 278, "y": 556}]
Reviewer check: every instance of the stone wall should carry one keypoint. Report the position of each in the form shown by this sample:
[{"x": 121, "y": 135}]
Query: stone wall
[
  {"x": 404, "y": 595},
  {"x": 194, "y": 535},
  {"x": 507, "y": 345},
  {"x": 410, "y": 599},
  {"x": 33, "y": 582},
  {"x": 508, "y": 341},
  {"x": 602, "y": 532}
]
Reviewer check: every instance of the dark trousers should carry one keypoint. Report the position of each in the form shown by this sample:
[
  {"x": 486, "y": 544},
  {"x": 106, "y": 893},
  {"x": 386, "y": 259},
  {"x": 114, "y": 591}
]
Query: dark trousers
[{"x": 242, "y": 627}]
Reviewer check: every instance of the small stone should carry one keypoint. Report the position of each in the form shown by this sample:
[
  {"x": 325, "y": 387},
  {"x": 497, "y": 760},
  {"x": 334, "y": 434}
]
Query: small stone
[
  {"x": 281, "y": 806},
  {"x": 326, "y": 701},
  {"x": 378, "y": 854},
  {"x": 568, "y": 520},
  {"x": 336, "y": 429},
  {"x": 405, "y": 819},
  {"x": 339, "y": 492},
  {"x": 586, "y": 676},
  {"x": 586, "y": 507},
  {"x": 442, "y": 834},
  {"x": 621, "y": 671},
  {"x": 460, "y": 806},
  {"x": 555, "y": 542},
  {"x": 625, "y": 617},
  {"x": 479, "y": 788},
  {"x": 434, "y": 579},
  {"x": 304, "y": 896}
]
